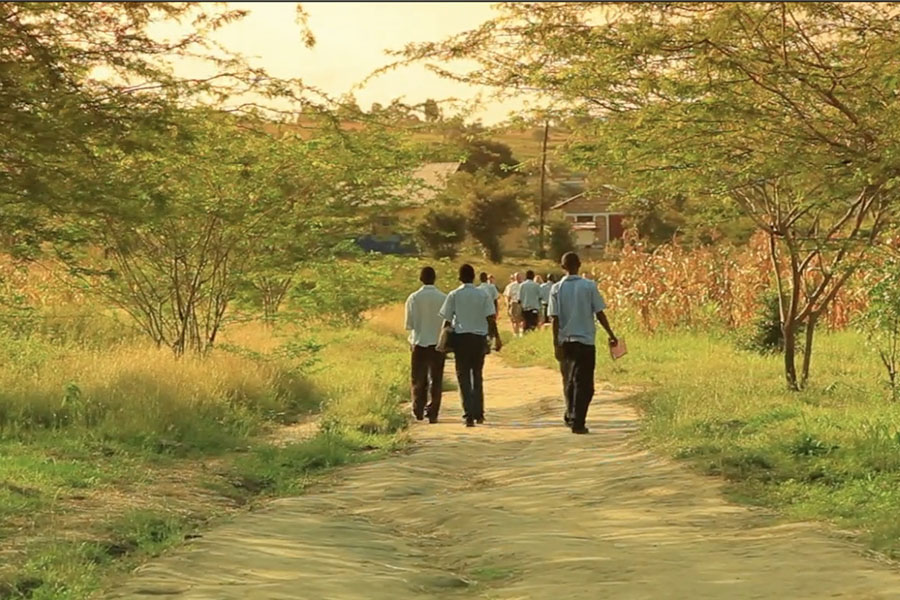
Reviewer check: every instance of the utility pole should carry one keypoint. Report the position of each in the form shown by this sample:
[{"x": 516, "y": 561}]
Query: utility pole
[{"x": 541, "y": 253}]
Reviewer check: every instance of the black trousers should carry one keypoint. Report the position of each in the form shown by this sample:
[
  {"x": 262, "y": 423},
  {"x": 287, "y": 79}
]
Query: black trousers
[
  {"x": 531, "y": 319},
  {"x": 578, "y": 362},
  {"x": 427, "y": 366},
  {"x": 469, "y": 351}
]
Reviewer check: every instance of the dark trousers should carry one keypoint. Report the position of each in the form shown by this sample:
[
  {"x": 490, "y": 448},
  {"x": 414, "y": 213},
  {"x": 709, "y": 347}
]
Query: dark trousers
[
  {"x": 578, "y": 362},
  {"x": 427, "y": 365},
  {"x": 531, "y": 319},
  {"x": 469, "y": 351}
]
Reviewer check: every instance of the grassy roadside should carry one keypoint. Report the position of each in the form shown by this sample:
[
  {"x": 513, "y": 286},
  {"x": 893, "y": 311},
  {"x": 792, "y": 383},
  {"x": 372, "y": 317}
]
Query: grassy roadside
[
  {"x": 110, "y": 456},
  {"x": 830, "y": 453}
]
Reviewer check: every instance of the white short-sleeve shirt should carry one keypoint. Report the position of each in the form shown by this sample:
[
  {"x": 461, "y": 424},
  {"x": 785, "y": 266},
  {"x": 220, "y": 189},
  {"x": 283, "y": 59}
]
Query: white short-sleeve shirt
[
  {"x": 575, "y": 301},
  {"x": 423, "y": 319},
  {"x": 467, "y": 308},
  {"x": 512, "y": 291}
]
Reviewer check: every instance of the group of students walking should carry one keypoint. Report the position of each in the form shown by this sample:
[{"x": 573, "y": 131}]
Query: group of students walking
[
  {"x": 527, "y": 301},
  {"x": 467, "y": 318}
]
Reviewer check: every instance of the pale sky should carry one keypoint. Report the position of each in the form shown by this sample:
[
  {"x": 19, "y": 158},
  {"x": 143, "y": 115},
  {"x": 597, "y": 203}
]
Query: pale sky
[{"x": 350, "y": 41}]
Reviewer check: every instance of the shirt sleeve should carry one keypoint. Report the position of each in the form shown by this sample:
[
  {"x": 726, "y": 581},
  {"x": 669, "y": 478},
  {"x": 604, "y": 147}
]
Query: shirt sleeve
[
  {"x": 409, "y": 314},
  {"x": 448, "y": 309},
  {"x": 553, "y": 304},
  {"x": 597, "y": 302}
]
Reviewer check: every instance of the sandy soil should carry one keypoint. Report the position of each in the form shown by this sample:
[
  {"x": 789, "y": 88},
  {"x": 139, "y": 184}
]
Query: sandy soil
[{"x": 516, "y": 509}]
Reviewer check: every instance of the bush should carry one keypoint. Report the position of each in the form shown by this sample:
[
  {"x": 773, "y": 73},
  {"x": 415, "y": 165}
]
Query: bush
[
  {"x": 441, "y": 232},
  {"x": 764, "y": 334},
  {"x": 561, "y": 240},
  {"x": 881, "y": 321}
]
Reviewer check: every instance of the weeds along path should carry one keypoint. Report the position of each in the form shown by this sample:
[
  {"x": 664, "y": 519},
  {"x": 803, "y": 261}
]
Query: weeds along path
[{"x": 516, "y": 509}]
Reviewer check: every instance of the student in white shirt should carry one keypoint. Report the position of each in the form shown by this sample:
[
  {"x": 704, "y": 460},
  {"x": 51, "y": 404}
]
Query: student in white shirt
[
  {"x": 423, "y": 321},
  {"x": 472, "y": 315},
  {"x": 574, "y": 304},
  {"x": 513, "y": 308},
  {"x": 490, "y": 288},
  {"x": 530, "y": 300}
]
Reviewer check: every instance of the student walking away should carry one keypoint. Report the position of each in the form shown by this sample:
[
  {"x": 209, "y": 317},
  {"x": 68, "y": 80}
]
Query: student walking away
[
  {"x": 513, "y": 308},
  {"x": 490, "y": 288},
  {"x": 574, "y": 303},
  {"x": 473, "y": 317},
  {"x": 545, "y": 296},
  {"x": 423, "y": 321},
  {"x": 530, "y": 299}
]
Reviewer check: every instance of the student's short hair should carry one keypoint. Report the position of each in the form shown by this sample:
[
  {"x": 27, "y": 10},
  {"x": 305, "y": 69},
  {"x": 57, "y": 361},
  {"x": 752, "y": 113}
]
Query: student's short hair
[
  {"x": 467, "y": 273},
  {"x": 529, "y": 274},
  {"x": 570, "y": 261},
  {"x": 550, "y": 277},
  {"x": 482, "y": 276},
  {"x": 427, "y": 276}
]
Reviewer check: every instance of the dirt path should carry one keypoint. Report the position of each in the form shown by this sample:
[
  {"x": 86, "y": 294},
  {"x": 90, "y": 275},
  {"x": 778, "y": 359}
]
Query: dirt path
[{"x": 516, "y": 509}]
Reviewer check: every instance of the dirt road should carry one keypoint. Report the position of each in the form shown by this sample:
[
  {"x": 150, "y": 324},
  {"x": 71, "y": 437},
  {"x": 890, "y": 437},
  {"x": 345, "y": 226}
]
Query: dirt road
[{"x": 516, "y": 509}]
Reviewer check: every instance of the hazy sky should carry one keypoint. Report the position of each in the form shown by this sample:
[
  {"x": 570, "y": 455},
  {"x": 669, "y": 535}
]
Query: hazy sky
[{"x": 351, "y": 39}]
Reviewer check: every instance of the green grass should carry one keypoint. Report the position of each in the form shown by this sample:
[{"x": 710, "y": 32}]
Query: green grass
[
  {"x": 112, "y": 456},
  {"x": 831, "y": 452}
]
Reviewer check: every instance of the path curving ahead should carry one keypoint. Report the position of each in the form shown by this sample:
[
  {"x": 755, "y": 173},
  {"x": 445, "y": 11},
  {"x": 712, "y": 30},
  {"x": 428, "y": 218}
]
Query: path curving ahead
[{"x": 516, "y": 509}]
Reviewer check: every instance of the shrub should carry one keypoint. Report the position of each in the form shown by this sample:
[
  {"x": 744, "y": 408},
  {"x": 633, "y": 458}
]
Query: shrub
[
  {"x": 561, "y": 240},
  {"x": 763, "y": 334},
  {"x": 881, "y": 321},
  {"x": 442, "y": 231}
]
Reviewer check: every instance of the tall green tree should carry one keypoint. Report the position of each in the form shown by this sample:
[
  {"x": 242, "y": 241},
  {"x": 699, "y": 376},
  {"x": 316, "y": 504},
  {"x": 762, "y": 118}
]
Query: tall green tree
[
  {"x": 492, "y": 207},
  {"x": 83, "y": 82},
  {"x": 787, "y": 112}
]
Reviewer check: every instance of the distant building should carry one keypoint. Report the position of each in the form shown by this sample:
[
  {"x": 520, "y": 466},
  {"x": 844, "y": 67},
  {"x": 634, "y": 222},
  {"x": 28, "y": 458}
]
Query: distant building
[{"x": 594, "y": 222}]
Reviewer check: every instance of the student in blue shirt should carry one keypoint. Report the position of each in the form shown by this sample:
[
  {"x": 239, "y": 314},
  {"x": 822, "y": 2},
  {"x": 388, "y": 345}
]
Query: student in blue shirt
[
  {"x": 530, "y": 299},
  {"x": 574, "y": 304},
  {"x": 427, "y": 364},
  {"x": 471, "y": 313},
  {"x": 545, "y": 296},
  {"x": 490, "y": 288}
]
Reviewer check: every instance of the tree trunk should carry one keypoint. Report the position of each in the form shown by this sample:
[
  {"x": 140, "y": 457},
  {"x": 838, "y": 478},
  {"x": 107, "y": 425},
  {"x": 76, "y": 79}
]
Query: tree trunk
[
  {"x": 790, "y": 351},
  {"x": 807, "y": 349},
  {"x": 492, "y": 250}
]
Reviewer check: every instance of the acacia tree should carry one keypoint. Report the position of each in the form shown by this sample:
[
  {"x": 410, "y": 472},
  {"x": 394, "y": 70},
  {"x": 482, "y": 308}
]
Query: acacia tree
[
  {"x": 219, "y": 202},
  {"x": 787, "y": 111},
  {"x": 83, "y": 82}
]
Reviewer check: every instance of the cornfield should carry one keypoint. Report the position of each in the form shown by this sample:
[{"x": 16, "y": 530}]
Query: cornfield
[{"x": 710, "y": 286}]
